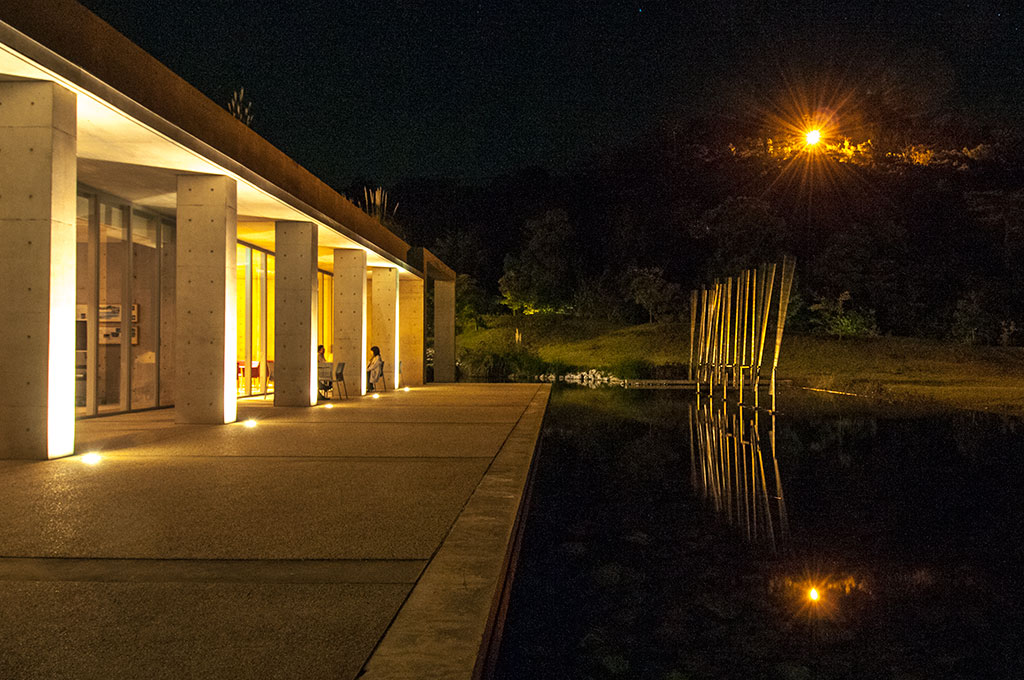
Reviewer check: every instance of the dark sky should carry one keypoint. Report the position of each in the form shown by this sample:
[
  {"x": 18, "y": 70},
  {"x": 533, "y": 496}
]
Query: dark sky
[{"x": 390, "y": 89}]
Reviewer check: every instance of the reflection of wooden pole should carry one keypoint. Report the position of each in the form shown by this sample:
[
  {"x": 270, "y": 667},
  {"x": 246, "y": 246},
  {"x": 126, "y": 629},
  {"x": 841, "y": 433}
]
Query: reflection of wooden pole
[
  {"x": 693, "y": 451},
  {"x": 727, "y": 471},
  {"x": 783, "y": 519},
  {"x": 693, "y": 323},
  {"x": 764, "y": 487}
]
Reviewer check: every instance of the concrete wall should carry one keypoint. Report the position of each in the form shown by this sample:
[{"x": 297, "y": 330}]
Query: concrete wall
[
  {"x": 411, "y": 330},
  {"x": 295, "y": 314},
  {"x": 38, "y": 129},
  {"x": 205, "y": 315},
  {"x": 384, "y": 327},
  {"x": 350, "y": 316}
]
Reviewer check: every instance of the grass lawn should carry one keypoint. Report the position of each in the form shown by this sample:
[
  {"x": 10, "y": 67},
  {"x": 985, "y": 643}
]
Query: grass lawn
[{"x": 890, "y": 369}]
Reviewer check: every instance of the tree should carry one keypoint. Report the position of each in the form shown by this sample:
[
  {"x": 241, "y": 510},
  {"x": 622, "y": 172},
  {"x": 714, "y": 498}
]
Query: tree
[
  {"x": 463, "y": 251},
  {"x": 740, "y": 233},
  {"x": 540, "y": 277},
  {"x": 471, "y": 303},
  {"x": 649, "y": 289}
]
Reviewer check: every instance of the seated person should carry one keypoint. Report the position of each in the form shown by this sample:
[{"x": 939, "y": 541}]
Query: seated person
[
  {"x": 321, "y": 364},
  {"x": 375, "y": 369}
]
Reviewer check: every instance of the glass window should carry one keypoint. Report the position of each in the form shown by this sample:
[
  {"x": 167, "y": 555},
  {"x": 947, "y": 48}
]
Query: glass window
[
  {"x": 144, "y": 312},
  {"x": 259, "y": 273},
  {"x": 85, "y": 298},
  {"x": 111, "y": 369},
  {"x": 270, "y": 323},
  {"x": 242, "y": 312},
  {"x": 327, "y": 315}
]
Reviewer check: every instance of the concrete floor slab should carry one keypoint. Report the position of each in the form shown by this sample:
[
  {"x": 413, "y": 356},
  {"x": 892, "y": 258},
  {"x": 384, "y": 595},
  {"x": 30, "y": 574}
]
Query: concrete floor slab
[
  {"x": 387, "y": 411},
  {"x": 282, "y": 551},
  {"x": 232, "y": 508},
  {"x": 100, "y": 631},
  {"x": 210, "y": 571},
  {"x": 273, "y": 437}
]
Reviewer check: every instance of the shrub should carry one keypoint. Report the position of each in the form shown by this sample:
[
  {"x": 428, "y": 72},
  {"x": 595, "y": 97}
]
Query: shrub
[
  {"x": 501, "y": 363},
  {"x": 831, "y": 318}
]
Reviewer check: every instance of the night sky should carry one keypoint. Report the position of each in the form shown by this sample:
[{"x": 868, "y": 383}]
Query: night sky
[{"x": 395, "y": 89}]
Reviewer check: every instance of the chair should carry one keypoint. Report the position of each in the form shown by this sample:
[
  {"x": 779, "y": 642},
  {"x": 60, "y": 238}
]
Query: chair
[
  {"x": 339, "y": 378},
  {"x": 324, "y": 377},
  {"x": 270, "y": 379},
  {"x": 383, "y": 381}
]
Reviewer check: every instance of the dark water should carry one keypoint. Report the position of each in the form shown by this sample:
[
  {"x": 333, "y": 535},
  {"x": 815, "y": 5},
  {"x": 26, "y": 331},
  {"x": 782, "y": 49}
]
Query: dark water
[{"x": 672, "y": 539}]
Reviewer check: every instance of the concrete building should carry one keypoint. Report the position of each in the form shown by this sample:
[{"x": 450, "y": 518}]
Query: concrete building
[{"x": 155, "y": 251}]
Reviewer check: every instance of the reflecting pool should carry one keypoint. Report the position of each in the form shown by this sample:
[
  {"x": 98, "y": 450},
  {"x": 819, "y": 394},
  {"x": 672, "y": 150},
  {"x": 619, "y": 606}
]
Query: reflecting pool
[{"x": 671, "y": 538}]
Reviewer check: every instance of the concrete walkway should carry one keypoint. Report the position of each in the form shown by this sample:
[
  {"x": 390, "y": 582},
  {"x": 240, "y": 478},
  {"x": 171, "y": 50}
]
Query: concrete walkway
[{"x": 369, "y": 537}]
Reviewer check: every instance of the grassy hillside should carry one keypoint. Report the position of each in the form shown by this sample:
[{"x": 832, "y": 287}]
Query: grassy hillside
[{"x": 889, "y": 368}]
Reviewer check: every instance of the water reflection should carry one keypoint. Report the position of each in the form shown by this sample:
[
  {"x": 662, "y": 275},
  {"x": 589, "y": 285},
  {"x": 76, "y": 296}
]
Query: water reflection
[{"x": 734, "y": 467}]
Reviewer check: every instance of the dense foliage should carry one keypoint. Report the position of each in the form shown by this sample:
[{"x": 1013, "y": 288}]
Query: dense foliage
[{"x": 919, "y": 234}]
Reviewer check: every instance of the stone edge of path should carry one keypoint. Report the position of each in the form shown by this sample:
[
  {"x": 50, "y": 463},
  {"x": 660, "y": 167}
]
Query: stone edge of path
[{"x": 445, "y": 627}]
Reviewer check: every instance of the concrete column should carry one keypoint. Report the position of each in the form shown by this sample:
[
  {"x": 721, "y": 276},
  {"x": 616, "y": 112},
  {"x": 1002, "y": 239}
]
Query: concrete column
[
  {"x": 206, "y": 336},
  {"x": 295, "y": 314},
  {"x": 411, "y": 330},
  {"x": 38, "y": 142},
  {"x": 384, "y": 325},
  {"x": 444, "y": 331},
  {"x": 350, "y": 316}
]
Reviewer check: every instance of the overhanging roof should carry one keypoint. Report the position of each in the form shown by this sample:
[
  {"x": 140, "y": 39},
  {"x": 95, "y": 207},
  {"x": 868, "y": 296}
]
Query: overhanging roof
[{"x": 140, "y": 125}]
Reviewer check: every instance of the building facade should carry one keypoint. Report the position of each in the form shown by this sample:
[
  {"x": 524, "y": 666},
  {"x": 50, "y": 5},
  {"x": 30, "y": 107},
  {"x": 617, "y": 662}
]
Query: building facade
[{"x": 155, "y": 251}]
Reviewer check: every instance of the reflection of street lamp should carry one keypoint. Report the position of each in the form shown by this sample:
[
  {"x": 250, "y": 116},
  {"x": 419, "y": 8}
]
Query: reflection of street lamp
[{"x": 813, "y": 137}]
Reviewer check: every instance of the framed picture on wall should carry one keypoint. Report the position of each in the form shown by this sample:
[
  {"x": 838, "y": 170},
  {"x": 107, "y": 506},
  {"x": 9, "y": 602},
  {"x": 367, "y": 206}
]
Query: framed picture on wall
[
  {"x": 107, "y": 313},
  {"x": 110, "y": 334}
]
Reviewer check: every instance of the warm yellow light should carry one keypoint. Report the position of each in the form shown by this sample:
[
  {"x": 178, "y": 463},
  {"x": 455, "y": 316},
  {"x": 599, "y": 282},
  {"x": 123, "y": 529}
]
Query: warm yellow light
[
  {"x": 91, "y": 458},
  {"x": 814, "y": 595},
  {"x": 376, "y": 396},
  {"x": 813, "y": 137},
  {"x": 328, "y": 405},
  {"x": 405, "y": 389},
  {"x": 250, "y": 423}
]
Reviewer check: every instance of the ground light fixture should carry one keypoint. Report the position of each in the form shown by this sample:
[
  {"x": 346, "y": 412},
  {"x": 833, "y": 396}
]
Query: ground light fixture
[
  {"x": 376, "y": 395},
  {"x": 813, "y": 595},
  {"x": 405, "y": 389},
  {"x": 91, "y": 458},
  {"x": 251, "y": 423},
  {"x": 328, "y": 405}
]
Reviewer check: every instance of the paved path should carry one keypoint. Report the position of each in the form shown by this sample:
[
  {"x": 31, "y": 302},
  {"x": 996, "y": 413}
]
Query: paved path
[{"x": 371, "y": 536}]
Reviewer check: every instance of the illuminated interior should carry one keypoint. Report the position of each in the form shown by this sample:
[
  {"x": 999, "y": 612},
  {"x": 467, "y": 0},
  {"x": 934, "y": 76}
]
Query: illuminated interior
[{"x": 124, "y": 304}]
